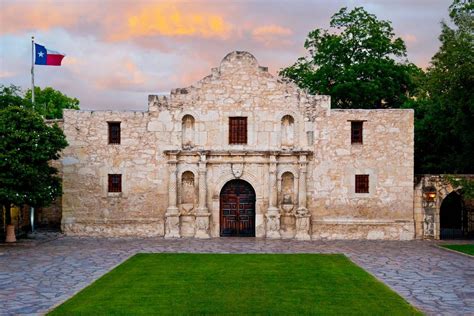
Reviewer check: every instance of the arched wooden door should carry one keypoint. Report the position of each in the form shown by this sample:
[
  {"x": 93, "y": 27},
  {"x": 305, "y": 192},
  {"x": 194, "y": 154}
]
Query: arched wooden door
[{"x": 237, "y": 209}]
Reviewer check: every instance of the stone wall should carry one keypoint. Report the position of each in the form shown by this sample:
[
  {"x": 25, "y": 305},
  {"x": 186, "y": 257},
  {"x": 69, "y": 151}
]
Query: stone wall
[
  {"x": 386, "y": 155},
  {"x": 88, "y": 207},
  {"x": 298, "y": 158}
]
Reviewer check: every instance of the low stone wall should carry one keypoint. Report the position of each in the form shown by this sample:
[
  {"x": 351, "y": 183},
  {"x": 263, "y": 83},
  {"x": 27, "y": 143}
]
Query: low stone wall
[
  {"x": 363, "y": 229},
  {"x": 117, "y": 229},
  {"x": 321, "y": 230}
]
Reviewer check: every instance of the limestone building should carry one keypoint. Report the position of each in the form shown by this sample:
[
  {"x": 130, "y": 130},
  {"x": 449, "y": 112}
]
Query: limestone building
[{"x": 239, "y": 153}]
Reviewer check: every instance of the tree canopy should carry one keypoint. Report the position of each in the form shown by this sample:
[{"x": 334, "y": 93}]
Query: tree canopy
[
  {"x": 27, "y": 145},
  {"x": 12, "y": 96},
  {"x": 49, "y": 102},
  {"x": 444, "y": 106},
  {"x": 359, "y": 65}
]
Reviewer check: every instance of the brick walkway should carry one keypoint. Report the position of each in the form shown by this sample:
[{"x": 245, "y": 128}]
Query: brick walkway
[{"x": 37, "y": 276}]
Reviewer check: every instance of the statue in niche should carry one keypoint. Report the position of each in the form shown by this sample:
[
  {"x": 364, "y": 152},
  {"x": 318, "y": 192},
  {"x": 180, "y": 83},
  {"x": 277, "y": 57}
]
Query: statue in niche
[
  {"x": 188, "y": 192},
  {"x": 428, "y": 225},
  {"x": 188, "y": 132},
  {"x": 287, "y": 131},
  {"x": 287, "y": 188}
]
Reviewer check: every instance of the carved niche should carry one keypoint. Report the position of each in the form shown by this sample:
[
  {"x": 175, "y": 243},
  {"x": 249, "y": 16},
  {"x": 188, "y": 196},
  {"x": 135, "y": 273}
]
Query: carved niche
[
  {"x": 287, "y": 204},
  {"x": 287, "y": 131},
  {"x": 188, "y": 192},
  {"x": 188, "y": 198},
  {"x": 188, "y": 131}
]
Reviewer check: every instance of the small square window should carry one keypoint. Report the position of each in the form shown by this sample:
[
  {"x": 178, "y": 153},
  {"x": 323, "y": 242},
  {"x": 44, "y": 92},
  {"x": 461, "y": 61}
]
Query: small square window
[
  {"x": 114, "y": 132},
  {"x": 356, "y": 132},
  {"x": 362, "y": 183},
  {"x": 115, "y": 183},
  {"x": 237, "y": 130}
]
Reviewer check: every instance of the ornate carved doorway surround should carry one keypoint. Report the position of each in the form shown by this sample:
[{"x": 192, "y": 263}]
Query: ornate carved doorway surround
[{"x": 237, "y": 208}]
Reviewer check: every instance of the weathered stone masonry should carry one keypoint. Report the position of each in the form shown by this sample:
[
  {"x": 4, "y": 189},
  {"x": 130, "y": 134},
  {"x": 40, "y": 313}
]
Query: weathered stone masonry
[{"x": 175, "y": 159}]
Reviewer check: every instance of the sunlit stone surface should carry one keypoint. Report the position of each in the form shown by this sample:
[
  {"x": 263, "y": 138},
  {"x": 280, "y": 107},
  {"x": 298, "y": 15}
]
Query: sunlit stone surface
[{"x": 298, "y": 158}]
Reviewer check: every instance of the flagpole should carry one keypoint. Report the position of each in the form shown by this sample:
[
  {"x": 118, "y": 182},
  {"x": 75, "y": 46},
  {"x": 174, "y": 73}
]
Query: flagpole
[
  {"x": 33, "y": 70},
  {"x": 32, "y": 209}
]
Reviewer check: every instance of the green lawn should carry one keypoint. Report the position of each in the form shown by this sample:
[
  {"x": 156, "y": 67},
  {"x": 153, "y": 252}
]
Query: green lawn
[
  {"x": 469, "y": 249},
  {"x": 236, "y": 284}
]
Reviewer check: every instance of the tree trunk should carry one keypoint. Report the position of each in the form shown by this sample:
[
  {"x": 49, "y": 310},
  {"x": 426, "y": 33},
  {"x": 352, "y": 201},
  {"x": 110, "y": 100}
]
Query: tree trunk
[
  {"x": 8, "y": 214},
  {"x": 10, "y": 229},
  {"x": 2, "y": 223}
]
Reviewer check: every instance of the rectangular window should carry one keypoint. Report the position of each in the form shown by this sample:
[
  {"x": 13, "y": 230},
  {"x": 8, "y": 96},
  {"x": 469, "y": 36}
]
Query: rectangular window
[
  {"x": 356, "y": 132},
  {"x": 362, "y": 183},
  {"x": 115, "y": 183},
  {"x": 237, "y": 130},
  {"x": 114, "y": 132}
]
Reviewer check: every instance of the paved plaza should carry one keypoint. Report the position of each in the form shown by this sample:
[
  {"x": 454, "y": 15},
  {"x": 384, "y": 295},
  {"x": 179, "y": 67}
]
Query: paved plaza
[{"x": 38, "y": 275}]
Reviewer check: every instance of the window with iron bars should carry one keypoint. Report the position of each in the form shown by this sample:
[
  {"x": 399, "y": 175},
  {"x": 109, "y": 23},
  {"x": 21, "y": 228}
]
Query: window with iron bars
[
  {"x": 115, "y": 183},
  {"x": 237, "y": 130},
  {"x": 362, "y": 183},
  {"x": 114, "y": 132}
]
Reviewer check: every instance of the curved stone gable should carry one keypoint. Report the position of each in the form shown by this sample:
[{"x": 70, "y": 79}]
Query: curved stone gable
[
  {"x": 238, "y": 60},
  {"x": 239, "y": 82}
]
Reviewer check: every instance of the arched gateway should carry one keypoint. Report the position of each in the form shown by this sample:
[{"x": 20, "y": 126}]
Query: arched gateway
[
  {"x": 237, "y": 209},
  {"x": 453, "y": 219}
]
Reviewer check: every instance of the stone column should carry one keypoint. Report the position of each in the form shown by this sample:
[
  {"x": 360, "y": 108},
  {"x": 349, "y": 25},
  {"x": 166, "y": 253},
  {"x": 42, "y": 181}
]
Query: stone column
[
  {"x": 172, "y": 212},
  {"x": 202, "y": 214},
  {"x": 303, "y": 218},
  {"x": 273, "y": 213}
]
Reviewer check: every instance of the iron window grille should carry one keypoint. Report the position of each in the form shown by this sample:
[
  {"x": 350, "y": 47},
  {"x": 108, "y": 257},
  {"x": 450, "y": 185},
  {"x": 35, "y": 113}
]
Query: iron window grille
[
  {"x": 362, "y": 183},
  {"x": 237, "y": 130},
  {"x": 115, "y": 183},
  {"x": 114, "y": 132},
  {"x": 356, "y": 132}
]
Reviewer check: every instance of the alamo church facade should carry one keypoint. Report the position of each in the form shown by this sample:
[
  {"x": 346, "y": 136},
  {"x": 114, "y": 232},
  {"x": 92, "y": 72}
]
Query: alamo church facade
[{"x": 239, "y": 153}]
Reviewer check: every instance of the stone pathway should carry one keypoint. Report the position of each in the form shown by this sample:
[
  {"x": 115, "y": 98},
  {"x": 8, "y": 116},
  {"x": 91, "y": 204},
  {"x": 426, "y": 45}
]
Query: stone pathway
[{"x": 36, "y": 277}]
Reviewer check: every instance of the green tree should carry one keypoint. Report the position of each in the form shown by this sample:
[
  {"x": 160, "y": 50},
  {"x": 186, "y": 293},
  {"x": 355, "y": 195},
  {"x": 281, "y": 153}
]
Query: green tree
[
  {"x": 444, "y": 108},
  {"x": 355, "y": 65},
  {"x": 12, "y": 96},
  {"x": 27, "y": 145},
  {"x": 49, "y": 102}
]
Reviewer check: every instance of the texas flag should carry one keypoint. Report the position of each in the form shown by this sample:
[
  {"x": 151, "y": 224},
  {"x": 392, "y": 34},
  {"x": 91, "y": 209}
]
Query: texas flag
[{"x": 44, "y": 56}]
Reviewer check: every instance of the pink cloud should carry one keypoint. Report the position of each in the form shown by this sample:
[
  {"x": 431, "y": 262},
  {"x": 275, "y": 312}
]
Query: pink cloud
[
  {"x": 125, "y": 77},
  {"x": 6, "y": 74},
  {"x": 271, "y": 35},
  {"x": 33, "y": 16},
  {"x": 409, "y": 38},
  {"x": 168, "y": 19},
  {"x": 272, "y": 30}
]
